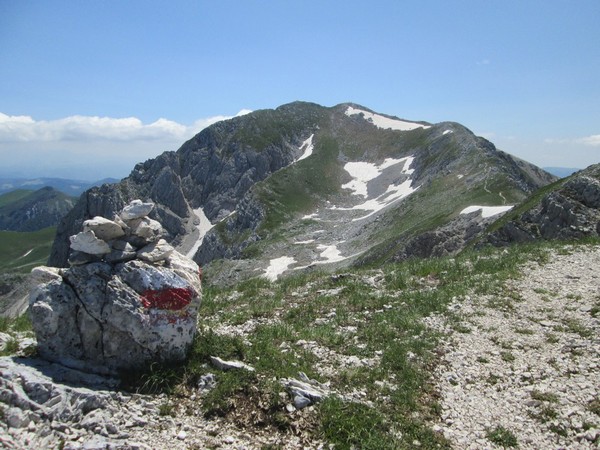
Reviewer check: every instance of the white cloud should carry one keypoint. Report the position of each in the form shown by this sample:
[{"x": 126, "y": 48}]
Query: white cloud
[
  {"x": 593, "y": 140},
  {"x": 85, "y": 128},
  {"x": 483, "y": 62},
  {"x": 87, "y": 147}
]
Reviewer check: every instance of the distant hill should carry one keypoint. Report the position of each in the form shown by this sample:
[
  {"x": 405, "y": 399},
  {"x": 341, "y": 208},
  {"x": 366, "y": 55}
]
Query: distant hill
[
  {"x": 72, "y": 188},
  {"x": 24, "y": 210},
  {"x": 561, "y": 172}
]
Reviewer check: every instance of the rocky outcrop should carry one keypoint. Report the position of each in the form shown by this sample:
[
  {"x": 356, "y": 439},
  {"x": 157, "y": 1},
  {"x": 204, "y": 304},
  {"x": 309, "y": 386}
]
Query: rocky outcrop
[
  {"x": 282, "y": 176},
  {"x": 570, "y": 211},
  {"x": 234, "y": 234},
  {"x": 446, "y": 240},
  {"x": 213, "y": 170},
  {"x": 128, "y": 299}
]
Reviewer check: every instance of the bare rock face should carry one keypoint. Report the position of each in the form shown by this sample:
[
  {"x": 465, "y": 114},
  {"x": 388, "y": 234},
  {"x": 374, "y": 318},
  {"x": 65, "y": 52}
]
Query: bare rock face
[
  {"x": 571, "y": 211},
  {"x": 132, "y": 304}
]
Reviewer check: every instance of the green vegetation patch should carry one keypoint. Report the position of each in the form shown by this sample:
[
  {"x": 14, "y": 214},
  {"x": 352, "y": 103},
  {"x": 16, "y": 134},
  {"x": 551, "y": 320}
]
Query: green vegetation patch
[
  {"x": 359, "y": 332},
  {"x": 22, "y": 251}
]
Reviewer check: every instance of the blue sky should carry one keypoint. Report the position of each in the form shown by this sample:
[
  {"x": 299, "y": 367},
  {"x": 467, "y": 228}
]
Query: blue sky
[{"x": 90, "y": 88}]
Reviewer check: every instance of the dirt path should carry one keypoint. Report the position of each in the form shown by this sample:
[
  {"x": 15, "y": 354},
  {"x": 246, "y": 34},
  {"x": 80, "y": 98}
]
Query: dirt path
[{"x": 524, "y": 368}]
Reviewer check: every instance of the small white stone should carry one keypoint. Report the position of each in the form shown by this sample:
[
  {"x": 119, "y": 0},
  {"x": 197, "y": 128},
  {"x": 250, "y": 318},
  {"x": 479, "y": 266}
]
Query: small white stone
[{"x": 136, "y": 209}]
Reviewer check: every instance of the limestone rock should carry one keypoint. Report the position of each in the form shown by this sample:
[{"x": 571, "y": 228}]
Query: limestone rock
[
  {"x": 222, "y": 364},
  {"x": 304, "y": 390},
  {"x": 104, "y": 229},
  {"x": 146, "y": 228},
  {"x": 115, "y": 309},
  {"x": 104, "y": 318},
  {"x": 157, "y": 251},
  {"x": 136, "y": 209},
  {"x": 45, "y": 274},
  {"x": 87, "y": 242}
]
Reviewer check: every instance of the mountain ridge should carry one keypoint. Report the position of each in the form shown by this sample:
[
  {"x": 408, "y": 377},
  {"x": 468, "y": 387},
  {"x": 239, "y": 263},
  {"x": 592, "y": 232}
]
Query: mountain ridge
[
  {"x": 24, "y": 210},
  {"x": 256, "y": 177}
]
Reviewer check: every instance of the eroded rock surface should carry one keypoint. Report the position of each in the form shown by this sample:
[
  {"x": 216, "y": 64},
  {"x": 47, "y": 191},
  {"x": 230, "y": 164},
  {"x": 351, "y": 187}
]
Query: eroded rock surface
[{"x": 132, "y": 303}]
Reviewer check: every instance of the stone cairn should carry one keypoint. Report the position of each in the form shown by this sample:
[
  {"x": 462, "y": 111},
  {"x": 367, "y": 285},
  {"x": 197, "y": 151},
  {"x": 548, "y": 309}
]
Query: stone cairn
[{"x": 129, "y": 298}]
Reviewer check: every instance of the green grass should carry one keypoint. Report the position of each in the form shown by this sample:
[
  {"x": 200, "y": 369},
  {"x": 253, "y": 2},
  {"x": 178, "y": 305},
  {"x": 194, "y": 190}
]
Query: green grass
[
  {"x": 14, "y": 196},
  {"x": 12, "y": 326},
  {"x": 299, "y": 187},
  {"x": 22, "y": 251},
  {"x": 293, "y": 326},
  {"x": 501, "y": 436},
  {"x": 544, "y": 396}
]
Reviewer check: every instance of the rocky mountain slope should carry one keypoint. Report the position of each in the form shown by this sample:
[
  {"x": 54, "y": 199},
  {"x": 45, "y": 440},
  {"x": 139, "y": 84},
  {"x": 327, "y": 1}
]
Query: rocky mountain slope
[
  {"x": 567, "y": 209},
  {"x": 494, "y": 349},
  {"x": 305, "y": 186},
  {"x": 23, "y": 210}
]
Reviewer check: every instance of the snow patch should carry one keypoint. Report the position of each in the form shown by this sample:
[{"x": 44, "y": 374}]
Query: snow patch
[
  {"x": 384, "y": 122},
  {"x": 308, "y": 147},
  {"x": 277, "y": 266},
  {"x": 448, "y": 132},
  {"x": 310, "y": 216},
  {"x": 363, "y": 172},
  {"x": 459, "y": 176},
  {"x": 487, "y": 211},
  {"x": 203, "y": 227},
  {"x": 309, "y": 241},
  {"x": 330, "y": 254}
]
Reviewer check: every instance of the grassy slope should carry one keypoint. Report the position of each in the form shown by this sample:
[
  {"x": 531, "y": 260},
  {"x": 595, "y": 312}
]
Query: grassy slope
[
  {"x": 14, "y": 196},
  {"x": 372, "y": 314},
  {"x": 300, "y": 187},
  {"x": 14, "y": 245}
]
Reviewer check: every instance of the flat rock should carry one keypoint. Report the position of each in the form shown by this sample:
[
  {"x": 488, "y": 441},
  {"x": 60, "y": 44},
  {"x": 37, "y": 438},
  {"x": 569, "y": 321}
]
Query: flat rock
[
  {"x": 103, "y": 228},
  {"x": 229, "y": 365},
  {"x": 156, "y": 251},
  {"x": 146, "y": 228},
  {"x": 136, "y": 209},
  {"x": 87, "y": 242}
]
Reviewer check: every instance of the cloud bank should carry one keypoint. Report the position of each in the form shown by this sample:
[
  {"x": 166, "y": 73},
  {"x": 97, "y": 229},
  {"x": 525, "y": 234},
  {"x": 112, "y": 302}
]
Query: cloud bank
[
  {"x": 81, "y": 128},
  {"x": 593, "y": 140},
  {"x": 88, "y": 147}
]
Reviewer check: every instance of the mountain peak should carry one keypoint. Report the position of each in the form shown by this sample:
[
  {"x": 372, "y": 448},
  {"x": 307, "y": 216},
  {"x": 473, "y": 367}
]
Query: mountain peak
[{"x": 313, "y": 186}]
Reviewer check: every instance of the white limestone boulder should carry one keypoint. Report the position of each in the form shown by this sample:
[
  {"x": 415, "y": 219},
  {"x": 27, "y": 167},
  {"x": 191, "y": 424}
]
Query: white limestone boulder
[
  {"x": 136, "y": 210},
  {"x": 103, "y": 228},
  {"x": 87, "y": 242},
  {"x": 105, "y": 318}
]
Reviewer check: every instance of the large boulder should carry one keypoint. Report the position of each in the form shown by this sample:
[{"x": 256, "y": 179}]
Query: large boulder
[{"x": 105, "y": 315}]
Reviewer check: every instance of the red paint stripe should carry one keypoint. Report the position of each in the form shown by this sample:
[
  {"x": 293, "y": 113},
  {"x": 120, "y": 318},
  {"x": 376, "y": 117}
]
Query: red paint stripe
[{"x": 172, "y": 299}]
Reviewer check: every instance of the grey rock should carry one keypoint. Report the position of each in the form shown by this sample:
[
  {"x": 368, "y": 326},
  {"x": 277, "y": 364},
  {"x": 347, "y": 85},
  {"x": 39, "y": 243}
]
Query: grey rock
[
  {"x": 15, "y": 418},
  {"x": 87, "y": 242},
  {"x": 156, "y": 251},
  {"x": 571, "y": 211},
  {"x": 301, "y": 402},
  {"x": 77, "y": 258},
  {"x": 136, "y": 210},
  {"x": 117, "y": 256},
  {"x": 103, "y": 228},
  {"x": 304, "y": 390},
  {"x": 207, "y": 382},
  {"x": 146, "y": 228},
  {"x": 229, "y": 365},
  {"x": 105, "y": 318}
]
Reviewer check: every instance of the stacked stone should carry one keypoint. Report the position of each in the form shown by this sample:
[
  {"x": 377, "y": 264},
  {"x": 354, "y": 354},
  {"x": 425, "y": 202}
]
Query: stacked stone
[
  {"x": 130, "y": 235},
  {"x": 129, "y": 298}
]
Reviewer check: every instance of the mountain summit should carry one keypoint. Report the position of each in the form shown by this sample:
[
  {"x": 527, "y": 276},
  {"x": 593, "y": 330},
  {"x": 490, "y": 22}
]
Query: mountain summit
[{"x": 304, "y": 186}]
